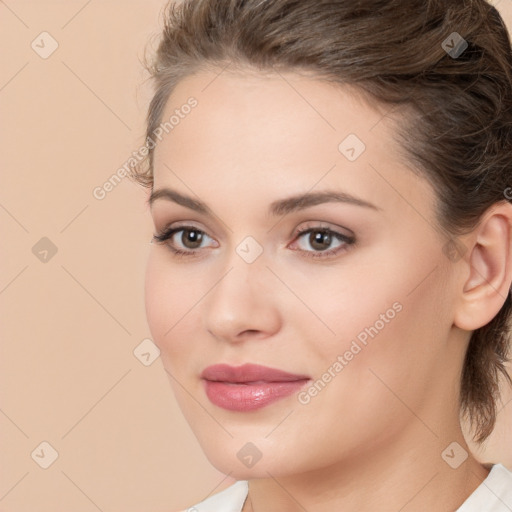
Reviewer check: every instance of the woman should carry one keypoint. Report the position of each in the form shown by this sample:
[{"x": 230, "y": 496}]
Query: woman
[{"x": 329, "y": 282}]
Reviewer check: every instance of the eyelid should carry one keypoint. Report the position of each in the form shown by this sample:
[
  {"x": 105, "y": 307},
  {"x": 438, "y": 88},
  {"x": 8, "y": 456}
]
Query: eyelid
[
  {"x": 181, "y": 224},
  {"x": 170, "y": 230},
  {"x": 320, "y": 225}
]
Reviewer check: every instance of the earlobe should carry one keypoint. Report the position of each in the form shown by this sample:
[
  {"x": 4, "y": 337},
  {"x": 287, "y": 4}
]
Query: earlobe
[{"x": 489, "y": 269}]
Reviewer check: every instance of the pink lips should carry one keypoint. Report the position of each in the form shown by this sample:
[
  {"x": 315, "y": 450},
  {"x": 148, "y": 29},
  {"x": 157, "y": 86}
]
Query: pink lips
[{"x": 248, "y": 387}]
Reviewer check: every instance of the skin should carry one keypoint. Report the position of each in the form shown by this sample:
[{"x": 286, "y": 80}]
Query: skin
[{"x": 372, "y": 439}]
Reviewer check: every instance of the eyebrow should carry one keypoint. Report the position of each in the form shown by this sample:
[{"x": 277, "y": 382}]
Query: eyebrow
[{"x": 278, "y": 207}]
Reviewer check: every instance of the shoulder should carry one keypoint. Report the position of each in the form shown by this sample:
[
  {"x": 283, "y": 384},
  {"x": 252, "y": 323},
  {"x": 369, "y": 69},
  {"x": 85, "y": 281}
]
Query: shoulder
[
  {"x": 494, "y": 494},
  {"x": 230, "y": 499}
]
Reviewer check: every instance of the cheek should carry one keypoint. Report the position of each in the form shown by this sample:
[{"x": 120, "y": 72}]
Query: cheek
[
  {"x": 360, "y": 397},
  {"x": 400, "y": 357},
  {"x": 169, "y": 296},
  {"x": 349, "y": 306},
  {"x": 389, "y": 318}
]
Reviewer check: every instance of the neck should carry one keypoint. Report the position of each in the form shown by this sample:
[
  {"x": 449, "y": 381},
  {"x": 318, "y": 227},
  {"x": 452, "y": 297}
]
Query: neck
[{"x": 409, "y": 475}]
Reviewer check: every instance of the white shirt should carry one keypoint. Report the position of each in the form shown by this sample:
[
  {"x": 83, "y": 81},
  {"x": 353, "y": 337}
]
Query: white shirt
[{"x": 494, "y": 494}]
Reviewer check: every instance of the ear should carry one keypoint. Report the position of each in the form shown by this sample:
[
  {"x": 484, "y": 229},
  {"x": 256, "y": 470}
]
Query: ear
[{"x": 488, "y": 272}]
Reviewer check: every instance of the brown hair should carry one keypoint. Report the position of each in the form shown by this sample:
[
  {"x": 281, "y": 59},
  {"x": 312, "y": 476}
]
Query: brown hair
[{"x": 458, "y": 101}]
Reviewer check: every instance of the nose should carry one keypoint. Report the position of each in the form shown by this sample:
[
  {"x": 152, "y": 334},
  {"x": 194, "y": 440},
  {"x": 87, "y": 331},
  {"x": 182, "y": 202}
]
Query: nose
[{"x": 243, "y": 304}]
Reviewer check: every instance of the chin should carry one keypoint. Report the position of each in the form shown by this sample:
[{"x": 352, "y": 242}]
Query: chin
[
  {"x": 237, "y": 470},
  {"x": 245, "y": 460}
]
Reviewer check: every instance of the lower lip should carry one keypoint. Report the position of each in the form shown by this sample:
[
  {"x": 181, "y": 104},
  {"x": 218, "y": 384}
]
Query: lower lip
[{"x": 251, "y": 396}]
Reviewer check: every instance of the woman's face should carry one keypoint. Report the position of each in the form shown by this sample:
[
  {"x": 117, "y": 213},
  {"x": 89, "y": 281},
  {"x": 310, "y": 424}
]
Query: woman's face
[{"x": 358, "y": 309}]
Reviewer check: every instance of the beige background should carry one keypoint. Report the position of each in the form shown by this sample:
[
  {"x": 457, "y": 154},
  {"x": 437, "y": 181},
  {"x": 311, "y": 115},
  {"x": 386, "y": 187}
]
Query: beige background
[{"x": 70, "y": 324}]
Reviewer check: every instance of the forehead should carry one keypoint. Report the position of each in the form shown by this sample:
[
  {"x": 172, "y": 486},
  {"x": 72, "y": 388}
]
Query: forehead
[
  {"x": 270, "y": 111},
  {"x": 270, "y": 130}
]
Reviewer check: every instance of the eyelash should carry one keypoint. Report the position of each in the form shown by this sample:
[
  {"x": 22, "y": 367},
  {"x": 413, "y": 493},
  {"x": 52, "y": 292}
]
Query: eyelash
[{"x": 164, "y": 236}]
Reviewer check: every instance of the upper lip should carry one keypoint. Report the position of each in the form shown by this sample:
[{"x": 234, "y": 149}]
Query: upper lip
[{"x": 248, "y": 373}]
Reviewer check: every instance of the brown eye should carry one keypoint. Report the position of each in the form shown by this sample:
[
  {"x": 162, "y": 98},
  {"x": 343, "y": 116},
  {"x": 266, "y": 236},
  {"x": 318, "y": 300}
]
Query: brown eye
[
  {"x": 320, "y": 240},
  {"x": 191, "y": 238},
  {"x": 184, "y": 240}
]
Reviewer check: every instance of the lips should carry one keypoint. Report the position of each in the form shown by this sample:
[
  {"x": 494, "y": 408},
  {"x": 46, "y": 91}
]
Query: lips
[
  {"x": 249, "y": 387},
  {"x": 248, "y": 373}
]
